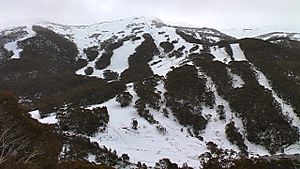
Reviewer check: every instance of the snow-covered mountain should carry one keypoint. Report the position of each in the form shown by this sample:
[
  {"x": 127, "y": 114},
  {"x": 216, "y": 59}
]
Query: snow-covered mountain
[{"x": 189, "y": 86}]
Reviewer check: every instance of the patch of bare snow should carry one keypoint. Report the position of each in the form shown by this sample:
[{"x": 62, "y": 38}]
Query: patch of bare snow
[
  {"x": 237, "y": 81},
  {"x": 238, "y": 53},
  {"x": 220, "y": 55},
  {"x": 51, "y": 119},
  {"x": 147, "y": 144},
  {"x": 13, "y": 46},
  {"x": 287, "y": 109},
  {"x": 215, "y": 129},
  {"x": 119, "y": 60}
]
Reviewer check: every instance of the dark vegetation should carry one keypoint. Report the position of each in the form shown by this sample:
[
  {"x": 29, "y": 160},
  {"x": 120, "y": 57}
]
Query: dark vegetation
[
  {"x": 147, "y": 92},
  {"x": 281, "y": 65},
  {"x": 194, "y": 48},
  {"x": 185, "y": 95},
  {"x": 9, "y": 36},
  {"x": 148, "y": 97},
  {"x": 110, "y": 75},
  {"x": 84, "y": 121},
  {"x": 205, "y": 35},
  {"x": 91, "y": 52},
  {"x": 108, "y": 46},
  {"x": 177, "y": 53},
  {"x": 165, "y": 163},
  {"x": 27, "y": 143},
  {"x": 188, "y": 37},
  {"x": 261, "y": 114},
  {"x": 167, "y": 46},
  {"x": 124, "y": 99},
  {"x": 138, "y": 62},
  {"x": 219, "y": 158},
  {"x": 226, "y": 44},
  {"x": 89, "y": 70},
  {"x": 269, "y": 126},
  {"x": 235, "y": 137},
  {"x": 80, "y": 147},
  {"x": 221, "y": 112},
  {"x": 45, "y": 75}
]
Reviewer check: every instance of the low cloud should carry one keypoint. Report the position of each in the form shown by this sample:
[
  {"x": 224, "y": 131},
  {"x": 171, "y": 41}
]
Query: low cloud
[{"x": 213, "y": 13}]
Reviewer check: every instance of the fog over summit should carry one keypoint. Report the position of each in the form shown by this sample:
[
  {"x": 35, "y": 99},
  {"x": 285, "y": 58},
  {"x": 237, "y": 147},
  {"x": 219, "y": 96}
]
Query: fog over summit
[{"x": 215, "y": 13}]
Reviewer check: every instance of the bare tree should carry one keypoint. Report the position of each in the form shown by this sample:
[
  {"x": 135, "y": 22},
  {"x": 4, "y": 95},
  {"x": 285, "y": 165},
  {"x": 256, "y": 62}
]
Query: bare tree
[{"x": 12, "y": 143}]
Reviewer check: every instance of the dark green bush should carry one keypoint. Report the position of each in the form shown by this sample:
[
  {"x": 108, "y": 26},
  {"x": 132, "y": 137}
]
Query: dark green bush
[
  {"x": 167, "y": 46},
  {"x": 84, "y": 121},
  {"x": 124, "y": 99}
]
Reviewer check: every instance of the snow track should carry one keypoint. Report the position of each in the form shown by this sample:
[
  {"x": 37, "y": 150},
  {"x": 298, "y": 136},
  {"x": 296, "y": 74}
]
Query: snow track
[{"x": 147, "y": 144}]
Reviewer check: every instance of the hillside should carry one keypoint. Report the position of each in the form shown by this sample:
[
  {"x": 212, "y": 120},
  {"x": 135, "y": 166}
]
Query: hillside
[{"x": 138, "y": 92}]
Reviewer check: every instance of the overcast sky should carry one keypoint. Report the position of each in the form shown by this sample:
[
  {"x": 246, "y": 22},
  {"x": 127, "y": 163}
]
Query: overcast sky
[{"x": 219, "y": 14}]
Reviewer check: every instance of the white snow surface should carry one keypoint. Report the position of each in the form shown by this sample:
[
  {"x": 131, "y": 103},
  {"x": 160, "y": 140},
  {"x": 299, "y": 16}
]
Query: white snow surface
[
  {"x": 51, "y": 119},
  {"x": 13, "y": 46},
  {"x": 237, "y": 81},
  {"x": 215, "y": 129},
  {"x": 220, "y": 55},
  {"x": 255, "y": 32},
  {"x": 286, "y": 108},
  {"x": 146, "y": 144},
  {"x": 238, "y": 53}
]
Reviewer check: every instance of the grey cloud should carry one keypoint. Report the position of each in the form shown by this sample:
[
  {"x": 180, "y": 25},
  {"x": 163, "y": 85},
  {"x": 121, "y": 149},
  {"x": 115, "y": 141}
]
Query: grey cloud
[{"x": 209, "y": 13}]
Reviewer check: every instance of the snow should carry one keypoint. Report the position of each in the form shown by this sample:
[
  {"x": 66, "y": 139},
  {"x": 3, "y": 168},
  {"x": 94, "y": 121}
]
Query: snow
[
  {"x": 146, "y": 144},
  {"x": 83, "y": 35},
  {"x": 119, "y": 60},
  {"x": 286, "y": 108},
  {"x": 296, "y": 37},
  {"x": 293, "y": 149},
  {"x": 163, "y": 67},
  {"x": 220, "y": 55},
  {"x": 237, "y": 81},
  {"x": 215, "y": 129},
  {"x": 254, "y": 32},
  {"x": 51, "y": 119},
  {"x": 238, "y": 53},
  {"x": 13, "y": 46},
  {"x": 91, "y": 158}
]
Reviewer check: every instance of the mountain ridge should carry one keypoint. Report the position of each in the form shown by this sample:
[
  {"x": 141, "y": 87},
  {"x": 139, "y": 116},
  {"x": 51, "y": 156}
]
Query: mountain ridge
[{"x": 183, "y": 81}]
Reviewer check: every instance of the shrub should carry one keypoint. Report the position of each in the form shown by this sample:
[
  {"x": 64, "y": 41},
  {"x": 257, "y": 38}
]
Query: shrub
[
  {"x": 138, "y": 61},
  {"x": 147, "y": 92},
  {"x": 167, "y": 46},
  {"x": 89, "y": 70},
  {"x": 280, "y": 64},
  {"x": 185, "y": 93},
  {"x": 226, "y": 44},
  {"x": 187, "y": 37},
  {"x": 221, "y": 112},
  {"x": 83, "y": 121},
  {"x": 91, "y": 52},
  {"x": 105, "y": 58},
  {"x": 235, "y": 137},
  {"x": 194, "y": 48},
  {"x": 124, "y": 99},
  {"x": 110, "y": 75},
  {"x": 31, "y": 144}
]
